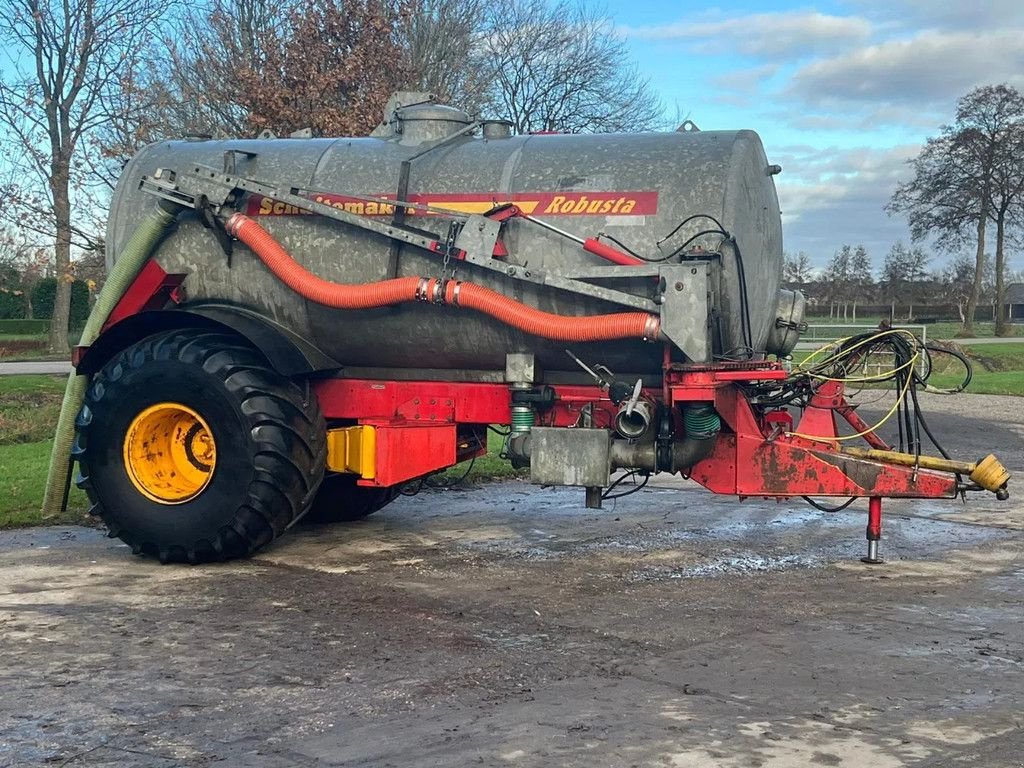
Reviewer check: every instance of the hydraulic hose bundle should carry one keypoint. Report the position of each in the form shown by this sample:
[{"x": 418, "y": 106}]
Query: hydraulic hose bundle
[
  {"x": 622, "y": 325},
  {"x": 846, "y": 361}
]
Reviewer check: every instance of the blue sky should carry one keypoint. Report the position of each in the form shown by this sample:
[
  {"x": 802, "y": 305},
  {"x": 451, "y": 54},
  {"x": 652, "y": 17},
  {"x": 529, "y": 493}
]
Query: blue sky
[{"x": 842, "y": 93}]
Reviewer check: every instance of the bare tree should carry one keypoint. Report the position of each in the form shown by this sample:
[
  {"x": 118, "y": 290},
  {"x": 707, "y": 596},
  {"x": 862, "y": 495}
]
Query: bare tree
[
  {"x": 562, "y": 67},
  {"x": 66, "y": 61},
  {"x": 957, "y": 279},
  {"x": 902, "y": 272},
  {"x": 838, "y": 281},
  {"x": 1007, "y": 204},
  {"x": 443, "y": 49},
  {"x": 954, "y": 192},
  {"x": 861, "y": 280},
  {"x": 796, "y": 269},
  {"x": 239, "y": 67}
]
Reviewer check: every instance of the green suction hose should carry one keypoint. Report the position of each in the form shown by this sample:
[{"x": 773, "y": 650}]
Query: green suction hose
[{"x": 132, "y": 258}]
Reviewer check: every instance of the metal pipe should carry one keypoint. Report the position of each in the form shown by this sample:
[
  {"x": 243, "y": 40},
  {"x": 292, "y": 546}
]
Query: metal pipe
[
  {"x": 553, "y": 228},
  {"x": 634, "y": 419},
  {"x": 685, "y": 453}
]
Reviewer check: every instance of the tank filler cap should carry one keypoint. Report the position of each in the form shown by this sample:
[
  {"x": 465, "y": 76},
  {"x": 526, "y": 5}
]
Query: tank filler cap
[
  {"x": 418, "y": 123},
  {"x": 496, "y": 129}
]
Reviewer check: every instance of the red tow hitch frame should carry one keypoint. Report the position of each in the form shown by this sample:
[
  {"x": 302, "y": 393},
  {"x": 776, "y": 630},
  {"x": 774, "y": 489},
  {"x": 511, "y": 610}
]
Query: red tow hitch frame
[{"x": 424, "y": 426}]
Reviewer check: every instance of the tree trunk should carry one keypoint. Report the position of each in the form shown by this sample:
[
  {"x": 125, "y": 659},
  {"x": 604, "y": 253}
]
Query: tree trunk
[
  {"x": 1002, "y": 328},
  {"x": 979, "y": 268},
  {"x": 58, "y": 341},
  {"x": 855, "y": 310}
]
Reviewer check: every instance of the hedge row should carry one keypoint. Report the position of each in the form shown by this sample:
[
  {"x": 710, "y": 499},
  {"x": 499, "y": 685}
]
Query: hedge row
[
  {"x": 24, "y": 327},
  {"x": 12, "y": 307}
]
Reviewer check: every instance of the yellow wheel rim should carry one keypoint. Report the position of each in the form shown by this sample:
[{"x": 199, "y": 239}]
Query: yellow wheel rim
[{"x": 169, "y": 453}]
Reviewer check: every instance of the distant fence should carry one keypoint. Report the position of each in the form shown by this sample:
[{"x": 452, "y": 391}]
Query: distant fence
[{"x": 923, "y": 313}]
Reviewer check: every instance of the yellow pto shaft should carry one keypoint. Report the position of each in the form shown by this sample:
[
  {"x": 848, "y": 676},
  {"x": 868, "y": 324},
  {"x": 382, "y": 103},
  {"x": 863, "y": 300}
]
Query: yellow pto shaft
[{"x": 988, "y": 473}]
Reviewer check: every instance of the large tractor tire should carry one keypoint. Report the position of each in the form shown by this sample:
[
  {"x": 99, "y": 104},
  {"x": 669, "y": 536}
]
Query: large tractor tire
[
  {"x": 340, "y": 500},
  {"x": 191, "y": 448}
]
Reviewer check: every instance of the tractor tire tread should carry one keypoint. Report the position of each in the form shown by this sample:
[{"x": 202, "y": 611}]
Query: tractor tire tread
[{"x": 287, "y": 428}]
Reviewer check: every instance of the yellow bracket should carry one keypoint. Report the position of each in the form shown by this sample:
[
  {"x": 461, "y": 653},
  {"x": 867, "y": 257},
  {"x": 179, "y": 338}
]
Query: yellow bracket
[
  {"x": 988, "y": 473},
  {"x": 353, "y": 450}
]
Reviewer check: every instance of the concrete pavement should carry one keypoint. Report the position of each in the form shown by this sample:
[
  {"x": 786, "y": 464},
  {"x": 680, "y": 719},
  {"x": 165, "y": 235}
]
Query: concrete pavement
[{"x": 35, "y": 366}]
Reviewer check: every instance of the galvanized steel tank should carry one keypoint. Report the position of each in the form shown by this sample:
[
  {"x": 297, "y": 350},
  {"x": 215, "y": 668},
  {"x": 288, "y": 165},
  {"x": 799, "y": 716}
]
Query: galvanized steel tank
[{"x": 634, "y": 187}]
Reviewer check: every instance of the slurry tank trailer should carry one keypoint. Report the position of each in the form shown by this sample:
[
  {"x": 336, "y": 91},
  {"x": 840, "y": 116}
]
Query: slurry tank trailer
[{"x": 296, "y": 324}]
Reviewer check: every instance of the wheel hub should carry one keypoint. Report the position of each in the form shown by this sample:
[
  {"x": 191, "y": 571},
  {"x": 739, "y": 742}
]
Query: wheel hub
[{"x": 169, "y": 453}]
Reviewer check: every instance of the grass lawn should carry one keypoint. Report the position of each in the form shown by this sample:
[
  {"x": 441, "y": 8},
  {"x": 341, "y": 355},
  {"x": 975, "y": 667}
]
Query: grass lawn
[
  {"x": 935, "y": 330},
  {"x": 29, "y": 406},
  {"x": 998, "y": 369},
  {"x": 30, "y": 346},
  {"x": 489, "y": 467},
  {"x": 984, "y": 382}
]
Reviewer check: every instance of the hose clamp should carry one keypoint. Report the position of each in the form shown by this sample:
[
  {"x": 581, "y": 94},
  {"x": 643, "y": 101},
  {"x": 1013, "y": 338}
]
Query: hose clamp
[
  {"x": 423, "y": 289},
  {"x": 455, "y": 293},
  {"x": 439, "y": 286},
  {"x": 234, "y": 223},
  {"x": 652, "y": 328}
]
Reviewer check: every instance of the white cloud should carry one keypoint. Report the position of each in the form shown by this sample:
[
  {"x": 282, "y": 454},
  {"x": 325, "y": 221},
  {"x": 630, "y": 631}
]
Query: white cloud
[
  {"x": 834, "y": 196},
  {"x": 747, "y": 81},
  {"x": 932, "y": 68},
  {"x": 783, "y": 35},
  {"x": 944, "y": 14}
]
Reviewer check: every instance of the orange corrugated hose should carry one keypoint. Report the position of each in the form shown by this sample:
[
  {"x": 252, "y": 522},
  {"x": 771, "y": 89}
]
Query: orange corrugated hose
[
  {"x": 623, "y": 325},
  {"x": 305, "y": 283}
]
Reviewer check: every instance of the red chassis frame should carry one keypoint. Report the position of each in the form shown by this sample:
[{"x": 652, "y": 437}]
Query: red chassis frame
[
  {"x": 423, "y": 426},
  {"x": 756, "y": 454}
]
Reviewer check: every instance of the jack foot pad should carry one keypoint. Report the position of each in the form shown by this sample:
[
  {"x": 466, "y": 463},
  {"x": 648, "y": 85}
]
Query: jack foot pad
[{"x": 872, "y": 556}]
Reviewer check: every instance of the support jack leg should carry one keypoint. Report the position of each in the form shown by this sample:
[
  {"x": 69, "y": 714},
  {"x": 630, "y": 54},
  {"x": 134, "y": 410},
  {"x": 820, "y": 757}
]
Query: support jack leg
[{"x": 874, "y": 531}]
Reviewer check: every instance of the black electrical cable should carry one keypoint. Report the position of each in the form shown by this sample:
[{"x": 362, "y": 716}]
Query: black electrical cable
[
  {"x": 823, "y": 508},
  {"x": 968, "y": 367},
  {"x": 608, "y": 495},
  {"x": 686, "y": 221},
  {"x": 632, "y": 252},
  {"x": 690, "y": 239},
  {"x": 451, "y": 483},
  {"x": 623, "y": 246},
  {"x": 924, "y": 426},
  {"x": 744, "y": 299}
]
